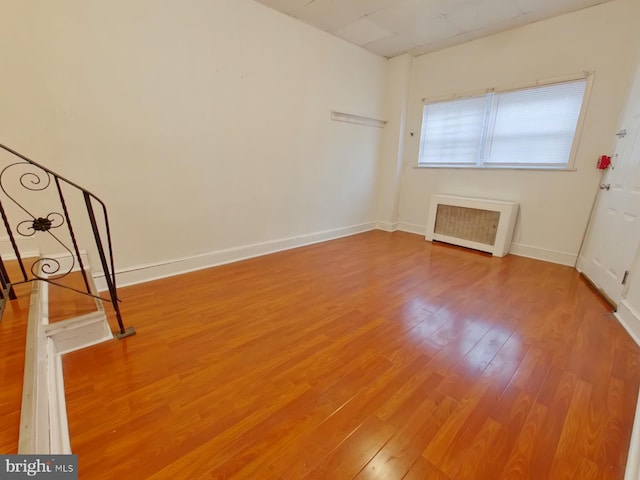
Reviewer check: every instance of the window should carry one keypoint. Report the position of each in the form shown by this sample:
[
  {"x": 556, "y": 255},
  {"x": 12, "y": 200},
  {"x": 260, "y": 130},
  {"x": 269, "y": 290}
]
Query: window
[{"x": 527, "y": 128}]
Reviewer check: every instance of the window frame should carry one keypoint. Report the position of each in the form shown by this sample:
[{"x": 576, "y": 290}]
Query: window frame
[{"x": 479, "y": 164}]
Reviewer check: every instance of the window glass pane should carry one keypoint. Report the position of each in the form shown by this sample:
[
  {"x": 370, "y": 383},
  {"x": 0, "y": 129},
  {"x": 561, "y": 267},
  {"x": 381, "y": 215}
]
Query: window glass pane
[
  {"x": 535, "y": 126},
  {"x": 452, "y": 131}
]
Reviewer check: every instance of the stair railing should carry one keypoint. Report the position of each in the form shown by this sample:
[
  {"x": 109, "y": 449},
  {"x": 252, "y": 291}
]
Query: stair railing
[{"x": 37, "y": 178}]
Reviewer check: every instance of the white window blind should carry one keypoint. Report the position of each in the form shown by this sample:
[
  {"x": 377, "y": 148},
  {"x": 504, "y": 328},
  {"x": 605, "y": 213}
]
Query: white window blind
[
  {"x": 452, "y": 132},
  {"x": 533, "y": 127}
]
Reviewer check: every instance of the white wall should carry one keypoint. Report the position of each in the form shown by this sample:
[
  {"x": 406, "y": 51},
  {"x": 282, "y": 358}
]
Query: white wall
[
  {"x": 204, "y": 125},
  {"x": 398, "y": 76},
  {"x": 554, "y": 206}
]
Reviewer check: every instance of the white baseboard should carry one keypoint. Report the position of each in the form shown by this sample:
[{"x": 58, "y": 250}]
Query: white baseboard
[
  {"x": 154, "y": 271},
  {"x": 43, "y": 415},
  {"x": 34, "y": 412},
  {"x": 59, "y": 440},
  {"x": 80, "y": 332},
  {"x": 43, "y": 420},
  {"x": 553, "y": 256},
  {"x": 629, "y": 318},
  {"x": 28, "y": 247},
  {"x": 387, "y": 226},
  {"x": 537, "y": 253},
  {"x": 412, "y": 228}
]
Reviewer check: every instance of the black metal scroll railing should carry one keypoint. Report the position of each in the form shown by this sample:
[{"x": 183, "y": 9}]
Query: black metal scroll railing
[{"x": 56, "y": 224}]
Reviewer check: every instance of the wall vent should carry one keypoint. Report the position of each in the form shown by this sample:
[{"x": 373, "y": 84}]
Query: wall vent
[{"x": 477, "y": 223}]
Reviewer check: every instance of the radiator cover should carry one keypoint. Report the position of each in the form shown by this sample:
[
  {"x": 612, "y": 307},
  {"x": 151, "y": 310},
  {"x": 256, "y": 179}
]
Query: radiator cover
[{"x": 477, "y": 223}]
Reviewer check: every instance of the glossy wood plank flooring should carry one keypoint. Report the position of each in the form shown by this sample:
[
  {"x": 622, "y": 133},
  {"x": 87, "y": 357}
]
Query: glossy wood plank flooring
[{"x": 377, "y": 356}]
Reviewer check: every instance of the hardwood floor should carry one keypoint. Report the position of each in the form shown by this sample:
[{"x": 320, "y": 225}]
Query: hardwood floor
[{"x": 376, "y": 356}]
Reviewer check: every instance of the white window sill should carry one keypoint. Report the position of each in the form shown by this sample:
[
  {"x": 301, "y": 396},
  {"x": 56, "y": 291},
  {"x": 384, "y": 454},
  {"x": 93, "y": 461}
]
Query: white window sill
[{"x": 466, "y": 167}]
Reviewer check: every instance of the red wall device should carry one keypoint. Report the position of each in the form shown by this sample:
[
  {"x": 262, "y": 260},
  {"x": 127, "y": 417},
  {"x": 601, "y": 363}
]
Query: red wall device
[{"x": 603, "y": 162}]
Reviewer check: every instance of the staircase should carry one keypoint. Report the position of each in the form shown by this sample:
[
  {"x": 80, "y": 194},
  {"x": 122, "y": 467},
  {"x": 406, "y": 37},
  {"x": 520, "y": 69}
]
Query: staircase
[{"x": 55, "y": 230}]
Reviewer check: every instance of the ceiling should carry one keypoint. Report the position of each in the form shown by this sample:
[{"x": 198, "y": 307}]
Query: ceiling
[{"x": 393, "y": 27}]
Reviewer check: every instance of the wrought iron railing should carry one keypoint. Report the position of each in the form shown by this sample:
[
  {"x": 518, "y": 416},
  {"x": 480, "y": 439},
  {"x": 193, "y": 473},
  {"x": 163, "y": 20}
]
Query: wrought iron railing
[{"x": 33, "y": 177}]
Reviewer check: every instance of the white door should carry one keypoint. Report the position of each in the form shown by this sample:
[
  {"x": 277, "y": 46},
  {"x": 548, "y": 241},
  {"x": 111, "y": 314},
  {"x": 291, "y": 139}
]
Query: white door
[{"x": 614, "y": 234}]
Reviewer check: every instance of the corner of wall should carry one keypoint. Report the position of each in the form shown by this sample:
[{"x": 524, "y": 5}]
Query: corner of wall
[{"x": 397, "y": 87}]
